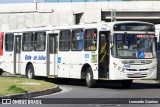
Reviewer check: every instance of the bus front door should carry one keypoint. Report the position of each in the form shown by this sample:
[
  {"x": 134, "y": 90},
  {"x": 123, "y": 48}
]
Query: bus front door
[
  {"x": 17, "y": 54},
  {"x": 52, "y": 54},
  {"x": 103, "y": 54}
]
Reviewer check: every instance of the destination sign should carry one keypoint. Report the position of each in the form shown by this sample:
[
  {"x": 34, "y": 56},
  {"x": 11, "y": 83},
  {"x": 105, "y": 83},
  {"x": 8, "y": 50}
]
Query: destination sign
[{"x": 134, "y": 27}]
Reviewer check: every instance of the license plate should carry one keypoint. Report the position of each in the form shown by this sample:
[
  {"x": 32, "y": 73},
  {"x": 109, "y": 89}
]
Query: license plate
[{"x": 137, "y": 74}]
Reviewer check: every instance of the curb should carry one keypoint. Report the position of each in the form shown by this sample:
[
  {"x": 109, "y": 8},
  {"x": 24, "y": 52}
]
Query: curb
[{"x": 34, "y": 94}]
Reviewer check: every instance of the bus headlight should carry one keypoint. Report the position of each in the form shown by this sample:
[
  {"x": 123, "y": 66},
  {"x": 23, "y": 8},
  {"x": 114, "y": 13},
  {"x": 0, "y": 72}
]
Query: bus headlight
[
  {"x": 119, "y": 68},
  {"x": 153, "y": 68}
]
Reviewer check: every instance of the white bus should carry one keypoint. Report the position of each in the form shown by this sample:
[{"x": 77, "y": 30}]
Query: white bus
[{"x": 99, "y": 51}]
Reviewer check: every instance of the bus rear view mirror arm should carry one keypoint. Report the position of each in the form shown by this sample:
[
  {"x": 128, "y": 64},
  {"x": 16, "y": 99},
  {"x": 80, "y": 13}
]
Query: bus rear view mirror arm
[{"x": 111, "y": 45}]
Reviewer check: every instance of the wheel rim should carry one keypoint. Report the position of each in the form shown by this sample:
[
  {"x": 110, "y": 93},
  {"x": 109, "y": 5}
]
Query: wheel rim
[
  {"x": 30, "y": 73},
  {"x": 88, "y": 78}
]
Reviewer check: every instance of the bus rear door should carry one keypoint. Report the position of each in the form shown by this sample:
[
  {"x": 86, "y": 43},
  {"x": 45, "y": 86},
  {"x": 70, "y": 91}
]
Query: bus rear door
[{"x": 52, "y": 46}]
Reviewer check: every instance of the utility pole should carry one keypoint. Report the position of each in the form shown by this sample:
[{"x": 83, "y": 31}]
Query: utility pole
[{"x": 35, "y": 3}]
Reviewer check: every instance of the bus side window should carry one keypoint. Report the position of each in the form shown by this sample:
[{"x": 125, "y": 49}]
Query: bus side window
[
  {"x": 77, "y": 39},
  {"x": 9, "y": 42},
  {"x": 90, "y": 41},
  {"x": 27, "y": 42},
  {"x": 64, "y": 40},
  {"x": 40, "y": 41}
]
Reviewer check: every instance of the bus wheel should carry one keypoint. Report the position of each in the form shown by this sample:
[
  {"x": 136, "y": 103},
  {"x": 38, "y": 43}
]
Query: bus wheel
[
  {"x": 126, "y": 83},
  {"x": 30, "y": 72},
  {"x": 89, "y": 78}
]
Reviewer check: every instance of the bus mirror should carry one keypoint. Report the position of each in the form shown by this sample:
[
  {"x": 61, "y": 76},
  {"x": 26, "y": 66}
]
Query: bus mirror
[
  {"x": 111, "y": 45},
  {"x": 111, "y": 39}
]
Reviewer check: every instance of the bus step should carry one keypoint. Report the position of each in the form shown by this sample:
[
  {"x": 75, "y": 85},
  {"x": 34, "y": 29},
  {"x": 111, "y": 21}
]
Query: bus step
[
  {"x": 104, "y": 74},
  {"x": 52, "y": 76},
  {"x": 103, "y": 79}
]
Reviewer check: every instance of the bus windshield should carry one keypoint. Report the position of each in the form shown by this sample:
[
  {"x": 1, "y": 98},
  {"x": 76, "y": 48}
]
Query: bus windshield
[{"x": 134, "y": 46}]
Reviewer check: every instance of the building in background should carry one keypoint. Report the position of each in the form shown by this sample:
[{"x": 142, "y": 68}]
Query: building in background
[{"x": 22, "y": 15}]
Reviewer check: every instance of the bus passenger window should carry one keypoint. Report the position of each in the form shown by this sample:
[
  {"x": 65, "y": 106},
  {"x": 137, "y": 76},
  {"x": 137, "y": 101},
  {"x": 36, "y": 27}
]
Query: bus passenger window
[
  {"x": 40, "y": 41},
  {"x": 64, "y": 40},
  {"x": 77, "y": 40},
  {"x": 9, "y": 42},
  {"x": 90, "y": 42},
  {"x": 27, "y": 42}
]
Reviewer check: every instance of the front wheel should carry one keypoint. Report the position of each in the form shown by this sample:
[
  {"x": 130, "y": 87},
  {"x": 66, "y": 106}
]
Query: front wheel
[
  {"x": 126, "y": 83},
  {"x": 90, "y": 82},
  {"x": 30, "y": 72}
]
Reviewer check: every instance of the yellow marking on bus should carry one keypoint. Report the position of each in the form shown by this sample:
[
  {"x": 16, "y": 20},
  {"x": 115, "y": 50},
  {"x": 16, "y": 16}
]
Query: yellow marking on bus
[
  {"x": 103, "y": 57},
  {"x": 103, "y": 48},
  {"x": 103, "y": 79},
  {"x": 52, "y": 76}
]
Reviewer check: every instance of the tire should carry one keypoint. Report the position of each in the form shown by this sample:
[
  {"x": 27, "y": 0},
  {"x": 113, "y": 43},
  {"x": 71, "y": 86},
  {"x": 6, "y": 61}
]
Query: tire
[
  {"x": 30, "y": 72},
  {"x": 126, "y": 83},
  {"x": 90, "y": 82}
]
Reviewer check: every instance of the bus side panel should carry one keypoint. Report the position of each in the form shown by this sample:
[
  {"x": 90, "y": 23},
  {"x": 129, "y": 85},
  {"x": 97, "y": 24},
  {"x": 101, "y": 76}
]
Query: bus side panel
[
  {"x": 70, "y": 64},
  {"x": 8, "y": 55},
  {"x": 26, "y": 57},
  {"x": 40, "y": 69},
  {"x": 23, "y": 65},
  {"x": 8, "y": 63},
  {"x": 91, "y": 58},
  {"x": 74, "y": 64},
  {"x": 63, "y": 64},
  {"x": 37, "y": 59}
]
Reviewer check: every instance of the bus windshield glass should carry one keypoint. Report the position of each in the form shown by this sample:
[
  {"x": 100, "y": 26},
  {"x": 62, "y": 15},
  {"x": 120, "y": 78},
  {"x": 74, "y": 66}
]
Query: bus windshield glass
[{"x": 134, "y": 46}]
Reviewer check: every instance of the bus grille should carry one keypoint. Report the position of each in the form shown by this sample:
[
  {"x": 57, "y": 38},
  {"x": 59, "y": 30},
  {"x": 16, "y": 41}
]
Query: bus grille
[
  {"x": 131, "y": 69},
  {"x": 144, "y": 69},
  {"x": 137, "y": 69},
  {"x": 137, "y": 62}
]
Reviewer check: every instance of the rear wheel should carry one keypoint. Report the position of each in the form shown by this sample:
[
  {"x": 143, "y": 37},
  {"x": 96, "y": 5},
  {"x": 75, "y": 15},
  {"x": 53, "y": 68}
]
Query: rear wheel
[
  {"x": 30, "y": 72},
  {"x": 90, "y": 82},
  {"x": 126, "y": 83}
]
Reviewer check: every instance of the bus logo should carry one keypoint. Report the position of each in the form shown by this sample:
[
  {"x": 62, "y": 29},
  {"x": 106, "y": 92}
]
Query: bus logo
[{"x": 126, "y": 66}]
